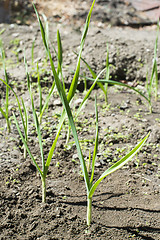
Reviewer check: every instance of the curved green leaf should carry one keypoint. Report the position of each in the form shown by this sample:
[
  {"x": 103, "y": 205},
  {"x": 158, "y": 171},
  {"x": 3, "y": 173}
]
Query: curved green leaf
[
  {"x": 112, "y": 82},
  {"x": 118, "y": 165}
]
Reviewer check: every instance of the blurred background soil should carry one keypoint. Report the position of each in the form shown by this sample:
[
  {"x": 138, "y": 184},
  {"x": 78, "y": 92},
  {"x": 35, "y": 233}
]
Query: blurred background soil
[{"x": 134, "y": 13}]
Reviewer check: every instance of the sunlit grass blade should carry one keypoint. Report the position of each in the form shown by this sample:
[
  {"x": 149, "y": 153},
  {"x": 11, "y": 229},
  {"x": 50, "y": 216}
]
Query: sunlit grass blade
[
  {"x": 49, "y": 158},
  {"x": 59, "y": 55},
  {"x": 75, "y": 135},
  {"x": 89, "y": 161},
  {"x": 95, "y": 145},
  {"x": 112, "y": 169},
  {"x": 156, "y": 82},
  {"x": 154, "y": 72},
  {"x": 25, "y": 126},
  {"x": 46, "y": 29},
  {"x": 39, "y": 89},
  {"x": 45, "y": 38},
  {"x": 107, "y": 76},
  {"x": 60, "y": 58},
  {"x": 118, "y": 165},
  {"x": 58, "y": 84},
  {"x": 150, "y": 88},
  {"x": 56, "y": 77},
  {"x": 112, "y": 82},
  {"x": 71, "y": 121},
  {"x": 73, "y": 86},
  {"x": 46, "y": 102}
]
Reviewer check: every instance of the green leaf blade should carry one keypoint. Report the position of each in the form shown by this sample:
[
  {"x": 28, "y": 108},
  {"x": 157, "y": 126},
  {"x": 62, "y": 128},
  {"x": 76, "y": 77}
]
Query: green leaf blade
[
  {"x": 95, "y": 145},
  {"x": 118, "y": 165},
  {"x": 74, "y": 83}
]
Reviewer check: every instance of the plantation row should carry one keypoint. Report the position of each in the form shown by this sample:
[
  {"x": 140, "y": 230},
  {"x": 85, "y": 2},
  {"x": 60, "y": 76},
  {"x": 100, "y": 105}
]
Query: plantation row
[{"x": 66, "y": 98}]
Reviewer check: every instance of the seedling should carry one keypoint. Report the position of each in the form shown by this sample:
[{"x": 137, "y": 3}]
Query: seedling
[
  {"x": 23, "y": 118},
  {"x": 57, "y": 74},
  {"x": 5, "y": 112},
  {"x": 90, "y": 186},
  {"x": 72, "y": 90}
]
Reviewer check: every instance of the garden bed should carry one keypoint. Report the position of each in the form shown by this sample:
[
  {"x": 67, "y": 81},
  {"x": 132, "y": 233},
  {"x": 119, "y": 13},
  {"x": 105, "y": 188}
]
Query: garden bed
[{"x": 126, "y": 204}]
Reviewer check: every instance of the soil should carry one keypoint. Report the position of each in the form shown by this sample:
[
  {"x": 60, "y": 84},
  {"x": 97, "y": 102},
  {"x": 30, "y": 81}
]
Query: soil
[{"x": 126, "y": 204}]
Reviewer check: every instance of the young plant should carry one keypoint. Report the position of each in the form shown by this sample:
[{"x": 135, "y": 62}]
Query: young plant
[
  {"x": 25, "y": 124},
  {"x": 24, "y": 118},
  {"x": 72, "y": 90},
  {"x": 5, "y": 112},
  {"x": 58, "y": 74},
  {"x": 90, "y": 186},
  {"x": 24, "y": 136}
]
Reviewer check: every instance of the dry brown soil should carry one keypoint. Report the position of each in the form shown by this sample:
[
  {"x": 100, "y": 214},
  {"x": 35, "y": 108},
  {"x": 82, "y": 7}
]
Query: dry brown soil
[{"x": 126, "y": 204}]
